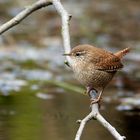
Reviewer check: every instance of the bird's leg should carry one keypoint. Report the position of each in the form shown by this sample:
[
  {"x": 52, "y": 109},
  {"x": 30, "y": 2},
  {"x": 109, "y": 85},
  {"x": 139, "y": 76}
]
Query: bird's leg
[
  {"x": 89, "y": 89},
  {"x": 97, "y": 100}
]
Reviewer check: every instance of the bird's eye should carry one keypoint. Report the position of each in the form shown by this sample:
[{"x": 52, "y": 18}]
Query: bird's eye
[{"x": 78, "y": 54}]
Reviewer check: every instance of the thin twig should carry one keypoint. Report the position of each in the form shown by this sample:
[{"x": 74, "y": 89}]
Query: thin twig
[
  {"x": 23, "y": 14},
  {"x": 65, "y": 26},
  {"x": 96, "y": 115}
]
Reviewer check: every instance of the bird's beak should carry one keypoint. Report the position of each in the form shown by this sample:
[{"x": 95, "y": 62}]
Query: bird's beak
[{"x": 66, "y": 54}]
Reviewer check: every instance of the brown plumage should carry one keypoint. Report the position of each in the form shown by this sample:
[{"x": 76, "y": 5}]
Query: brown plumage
[{"x": 95, "y": 67}]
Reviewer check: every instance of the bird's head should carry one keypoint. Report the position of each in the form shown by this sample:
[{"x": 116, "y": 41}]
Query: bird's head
[{"x": 80, "y": 54}]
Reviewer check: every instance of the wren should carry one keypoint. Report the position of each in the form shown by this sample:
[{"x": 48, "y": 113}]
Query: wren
[{"x": 95, "y": 67}]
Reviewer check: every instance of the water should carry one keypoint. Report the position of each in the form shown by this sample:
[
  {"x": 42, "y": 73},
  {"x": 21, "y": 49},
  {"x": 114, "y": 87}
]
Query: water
[
  {"x": 32, "y": 108},
  {"x": 25, "y": 117}
]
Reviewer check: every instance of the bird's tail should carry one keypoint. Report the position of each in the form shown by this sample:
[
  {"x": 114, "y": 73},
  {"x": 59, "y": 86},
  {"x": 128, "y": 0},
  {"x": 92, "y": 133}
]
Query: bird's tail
[{"x": 122, "y": 53}]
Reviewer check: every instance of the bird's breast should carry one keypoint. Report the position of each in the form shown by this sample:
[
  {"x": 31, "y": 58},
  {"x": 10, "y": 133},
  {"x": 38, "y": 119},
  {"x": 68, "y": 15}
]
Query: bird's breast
[{"x": 89, "y": 76}]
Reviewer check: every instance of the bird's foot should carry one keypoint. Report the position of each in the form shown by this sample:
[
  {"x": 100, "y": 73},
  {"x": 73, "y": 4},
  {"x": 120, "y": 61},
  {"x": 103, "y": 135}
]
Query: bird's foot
[{"x": 94, "y": 101}]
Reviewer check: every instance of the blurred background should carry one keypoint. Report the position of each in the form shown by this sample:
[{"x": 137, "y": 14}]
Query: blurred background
[{"x": 40, "y": 98}]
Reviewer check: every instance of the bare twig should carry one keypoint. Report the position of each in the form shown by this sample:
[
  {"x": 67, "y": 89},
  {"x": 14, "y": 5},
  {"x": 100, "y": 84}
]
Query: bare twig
[
  {"x": 65, "y": 26},
  {"x": 67, "y": 48},
  {"x": 23, "y": 14},
  {"x": 95, "y": 114}
]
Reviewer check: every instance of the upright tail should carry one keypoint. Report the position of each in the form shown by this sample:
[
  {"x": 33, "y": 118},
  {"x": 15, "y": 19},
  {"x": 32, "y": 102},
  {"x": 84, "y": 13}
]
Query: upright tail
[{"x": 122, "y": 53}]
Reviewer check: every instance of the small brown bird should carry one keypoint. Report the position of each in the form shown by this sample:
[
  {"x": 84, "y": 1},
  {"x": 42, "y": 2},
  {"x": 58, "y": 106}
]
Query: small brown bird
[{"x": 95, "y": 67}]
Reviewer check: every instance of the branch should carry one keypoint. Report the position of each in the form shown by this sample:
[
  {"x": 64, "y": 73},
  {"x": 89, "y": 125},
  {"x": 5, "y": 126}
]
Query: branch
[
  {"x": 65, "y": 27},
  {"x": 95, "y": 114},
  {"x": 23, "y": 14}
]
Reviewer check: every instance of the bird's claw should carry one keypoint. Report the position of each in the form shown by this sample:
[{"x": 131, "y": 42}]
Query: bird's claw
[{"x": 94, "y": 101}]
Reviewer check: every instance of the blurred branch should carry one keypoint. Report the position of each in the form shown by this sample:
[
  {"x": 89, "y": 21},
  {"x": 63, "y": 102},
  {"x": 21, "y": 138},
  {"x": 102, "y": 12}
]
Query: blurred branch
[
  {"x": 23, "y": 14},
  {"x": 95, "y": 114},
  {"x": 66, "y": 86}
]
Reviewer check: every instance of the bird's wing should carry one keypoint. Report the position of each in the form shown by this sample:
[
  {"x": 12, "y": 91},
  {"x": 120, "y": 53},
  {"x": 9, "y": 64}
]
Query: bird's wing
[
  {"x": 108, "y": 62},
  {"x": 112, "y": 62}
]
